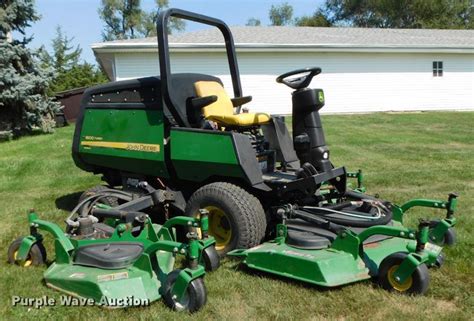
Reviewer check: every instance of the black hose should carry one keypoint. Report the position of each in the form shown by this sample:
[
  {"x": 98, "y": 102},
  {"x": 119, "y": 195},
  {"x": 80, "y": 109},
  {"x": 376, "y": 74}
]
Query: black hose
[
  {"x": 359, "y": 196},
  {"x": 384, "y": 219},
  {"x": 338, "y": 206}
]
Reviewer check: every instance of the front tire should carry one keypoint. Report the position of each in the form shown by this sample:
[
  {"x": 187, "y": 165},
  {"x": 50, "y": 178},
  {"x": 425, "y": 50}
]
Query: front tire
[
  {"x": 236, "y": 218},
  {"x": 416, "y": 283},
  {"x": 194, "y": 298}
]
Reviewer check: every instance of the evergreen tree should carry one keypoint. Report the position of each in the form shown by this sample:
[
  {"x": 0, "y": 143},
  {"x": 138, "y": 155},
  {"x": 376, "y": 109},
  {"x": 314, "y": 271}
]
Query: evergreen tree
[
  {"x": 64, "y": 56},
  {"x": 24, "y": 104},
  {"x": 64, "y": 59}
]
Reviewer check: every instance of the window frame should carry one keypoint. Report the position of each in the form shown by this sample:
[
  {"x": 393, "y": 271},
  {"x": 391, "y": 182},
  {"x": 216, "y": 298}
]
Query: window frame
[{"x": 438, "y": 68}]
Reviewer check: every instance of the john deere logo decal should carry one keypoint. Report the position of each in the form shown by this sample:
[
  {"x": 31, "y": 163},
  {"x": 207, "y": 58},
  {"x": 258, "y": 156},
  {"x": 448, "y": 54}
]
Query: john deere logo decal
[
  {"x": 321, "y": 97},
  {"x": 149, "y": 148}
]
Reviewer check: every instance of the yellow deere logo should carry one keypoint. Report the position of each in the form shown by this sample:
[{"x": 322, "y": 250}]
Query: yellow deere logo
[{"x": 149, "y": 148}]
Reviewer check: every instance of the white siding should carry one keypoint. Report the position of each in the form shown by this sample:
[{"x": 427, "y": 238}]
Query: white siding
[{"x": 353, "y": 82}]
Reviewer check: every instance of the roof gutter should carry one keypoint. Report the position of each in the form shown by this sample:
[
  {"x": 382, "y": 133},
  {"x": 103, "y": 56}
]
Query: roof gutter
[{"x": 265, "y": 47}]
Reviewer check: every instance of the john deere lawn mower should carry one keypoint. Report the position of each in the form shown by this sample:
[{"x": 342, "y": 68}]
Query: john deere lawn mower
[
  {"x": 118, "y": 258},
  {"x": 184, "y": 133}
]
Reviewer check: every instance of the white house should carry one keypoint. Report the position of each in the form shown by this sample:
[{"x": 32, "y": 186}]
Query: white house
[{"x": 364, "y": 70}]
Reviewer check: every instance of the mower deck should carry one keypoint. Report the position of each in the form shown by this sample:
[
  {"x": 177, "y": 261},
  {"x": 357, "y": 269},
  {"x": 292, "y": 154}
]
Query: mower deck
[
  {"x": 125, "y": 287},
  {"x": 338, "y": 264}
]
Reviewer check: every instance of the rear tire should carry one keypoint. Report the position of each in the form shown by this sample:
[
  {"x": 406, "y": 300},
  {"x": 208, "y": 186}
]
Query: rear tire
[{"x": 236, "y": 218}]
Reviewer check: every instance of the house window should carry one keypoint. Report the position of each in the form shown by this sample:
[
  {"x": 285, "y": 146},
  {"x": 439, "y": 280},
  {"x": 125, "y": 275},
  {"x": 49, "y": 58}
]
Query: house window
[{"x": 437, "y": 69}]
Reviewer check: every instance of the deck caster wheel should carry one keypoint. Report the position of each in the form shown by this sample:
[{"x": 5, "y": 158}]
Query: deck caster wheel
[
  {"x": 439, "y": 261},
  {"x": 449, "y": 237},
  {"x": 211, "y": 259},
  {"x": 194, "y": 298},
  {"x": 417, "y": 283},
  {"x": 36, "y": 256}
]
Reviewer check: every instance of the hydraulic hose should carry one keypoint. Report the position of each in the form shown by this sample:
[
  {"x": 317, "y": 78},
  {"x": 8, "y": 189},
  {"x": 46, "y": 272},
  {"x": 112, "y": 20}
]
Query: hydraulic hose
[
  {"x": 383, "y": 217},
  {"x": 86, "y": 205}
]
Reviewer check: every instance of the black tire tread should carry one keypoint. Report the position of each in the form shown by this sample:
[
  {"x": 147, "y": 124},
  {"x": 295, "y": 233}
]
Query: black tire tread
[
  {"x": 37, "y": 252},
  {"x": 252, "y": 222},
  {"x": 420, "y": 276},
  {"x": 449, "y": 238},
  {"x": 196, "y": 290}
]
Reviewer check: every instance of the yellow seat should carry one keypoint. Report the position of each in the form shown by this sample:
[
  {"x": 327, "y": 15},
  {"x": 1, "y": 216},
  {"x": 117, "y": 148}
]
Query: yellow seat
[{"x": 222, "y": 110}]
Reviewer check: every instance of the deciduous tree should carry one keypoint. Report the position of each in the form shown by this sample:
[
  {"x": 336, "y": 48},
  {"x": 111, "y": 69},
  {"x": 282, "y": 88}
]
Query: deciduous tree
[
  {"x": 440, "y": 14},
  {"x": 254, "y": 22},
  {"x": 281, "y": 15},
  {"x": 124, "y": 19}
]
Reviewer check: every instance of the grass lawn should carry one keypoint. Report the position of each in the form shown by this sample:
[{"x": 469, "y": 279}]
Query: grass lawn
[{"x": 403, "y": 156}]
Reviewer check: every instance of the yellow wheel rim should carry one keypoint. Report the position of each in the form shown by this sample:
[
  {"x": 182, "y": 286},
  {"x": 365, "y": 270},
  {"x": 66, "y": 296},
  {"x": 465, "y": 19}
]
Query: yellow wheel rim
[
  {"x": 27, "y": 263},
  {"x": 400, "y": 287},
  {"x": 219, "y": 227}
]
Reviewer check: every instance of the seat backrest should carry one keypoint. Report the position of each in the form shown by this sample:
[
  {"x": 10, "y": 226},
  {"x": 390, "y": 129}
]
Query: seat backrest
[
  {"x": 182, "y": 90},
  {"x": 223, "y": 105}
]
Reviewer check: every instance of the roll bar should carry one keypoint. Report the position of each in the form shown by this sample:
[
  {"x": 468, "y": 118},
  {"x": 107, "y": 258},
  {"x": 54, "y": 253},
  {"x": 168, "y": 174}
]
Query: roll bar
[{"x": 163, "y": 53}]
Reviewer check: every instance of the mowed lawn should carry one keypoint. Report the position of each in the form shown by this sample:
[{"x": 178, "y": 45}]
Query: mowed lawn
[{"x": 403, "y": 156}]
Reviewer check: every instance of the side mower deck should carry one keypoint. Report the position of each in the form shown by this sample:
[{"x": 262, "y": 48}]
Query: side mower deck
[{"x": 349, "y": 258}]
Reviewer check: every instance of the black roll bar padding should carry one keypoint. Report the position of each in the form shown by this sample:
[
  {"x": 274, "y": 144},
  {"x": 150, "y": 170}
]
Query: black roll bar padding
[{"x": 163, "y": 53}]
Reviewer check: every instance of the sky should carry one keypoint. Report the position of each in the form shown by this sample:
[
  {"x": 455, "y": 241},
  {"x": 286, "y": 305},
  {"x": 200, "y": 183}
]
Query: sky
[{"x": 79, "y": 18}]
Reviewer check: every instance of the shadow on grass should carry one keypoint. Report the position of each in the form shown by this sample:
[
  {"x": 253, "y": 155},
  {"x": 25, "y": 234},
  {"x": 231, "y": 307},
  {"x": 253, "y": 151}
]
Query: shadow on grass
[{"x": 68, "y": 202}]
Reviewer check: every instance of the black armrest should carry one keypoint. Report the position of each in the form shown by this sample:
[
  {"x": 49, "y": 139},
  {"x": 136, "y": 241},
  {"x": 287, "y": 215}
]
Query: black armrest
[
  {"x": 239, "y": 101},
  {"x": 200, "y": 102}
]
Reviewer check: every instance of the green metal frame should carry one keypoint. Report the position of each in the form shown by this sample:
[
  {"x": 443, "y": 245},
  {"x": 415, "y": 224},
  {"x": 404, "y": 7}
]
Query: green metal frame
[
  {"x": 154, "y": 265},
  {"x": 438, "y": 228},
  {"x": 360, "y": 181}
]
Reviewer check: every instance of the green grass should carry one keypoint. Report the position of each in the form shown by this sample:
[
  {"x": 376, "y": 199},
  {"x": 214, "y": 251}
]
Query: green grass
[{"x": 403, "y": 156}]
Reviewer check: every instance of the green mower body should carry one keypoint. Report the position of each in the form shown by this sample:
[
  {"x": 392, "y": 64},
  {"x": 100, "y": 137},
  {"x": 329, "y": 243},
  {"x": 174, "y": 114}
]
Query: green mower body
[{"x": 155, "y": 130}]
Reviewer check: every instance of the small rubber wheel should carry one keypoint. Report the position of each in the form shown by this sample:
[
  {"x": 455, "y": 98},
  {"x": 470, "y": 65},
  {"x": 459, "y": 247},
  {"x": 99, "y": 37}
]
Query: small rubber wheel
[
  {"x": 36, "y": 256},
  {"x": 236, "y": 217},
  {"x": 449, "y": 237},
  {"x": 109, "y": 200},
  {"x": 439, "y": 261},
  {"x": 211, "y": 259},
  {"x": 194, "y": 298},
  {"x": 416, "y": 283}
]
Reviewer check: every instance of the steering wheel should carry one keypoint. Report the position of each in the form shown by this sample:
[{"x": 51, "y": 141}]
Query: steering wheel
[{"x": 300, "y": 82}]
